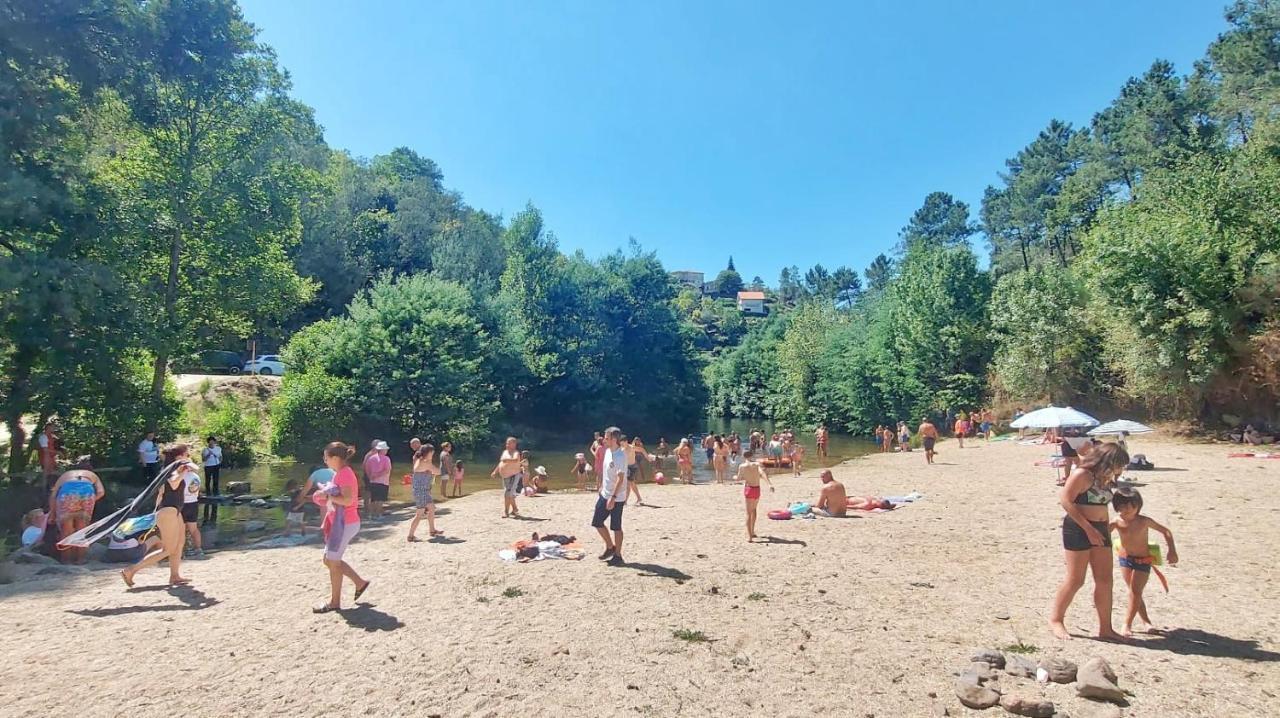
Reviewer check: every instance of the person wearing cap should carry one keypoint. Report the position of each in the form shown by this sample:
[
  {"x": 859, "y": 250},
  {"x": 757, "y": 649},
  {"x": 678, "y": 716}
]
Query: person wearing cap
[{"x": 377, "y": 471}]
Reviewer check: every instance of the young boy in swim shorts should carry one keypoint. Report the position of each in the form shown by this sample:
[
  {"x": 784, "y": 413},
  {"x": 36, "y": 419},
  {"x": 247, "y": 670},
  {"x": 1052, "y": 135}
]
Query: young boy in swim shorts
[
  {"x": 1135, "y": 560},
  {"x": 750, "y": 472}
]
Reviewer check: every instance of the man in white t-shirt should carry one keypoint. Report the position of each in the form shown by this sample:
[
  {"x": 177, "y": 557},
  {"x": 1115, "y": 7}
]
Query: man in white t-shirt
[
  {"x": 212, "y": 456},
  {"x": 149, "y": 455},
  {"x": 612, "y": 498}
]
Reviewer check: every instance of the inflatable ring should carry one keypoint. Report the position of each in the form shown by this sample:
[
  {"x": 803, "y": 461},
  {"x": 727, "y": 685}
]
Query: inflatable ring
[{"x": 779, "y": 514}]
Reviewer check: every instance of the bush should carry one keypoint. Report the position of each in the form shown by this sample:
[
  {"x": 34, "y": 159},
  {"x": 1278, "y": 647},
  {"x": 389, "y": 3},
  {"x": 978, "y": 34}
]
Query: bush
[
  {"x": 237, "y": 429},
  {"x": 109, "y": 425},
  {"x": 312, "y": 409}
]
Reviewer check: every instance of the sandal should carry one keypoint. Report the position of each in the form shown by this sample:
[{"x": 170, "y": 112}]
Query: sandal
[
  {"x": 414, "y": 539},
  {"x": 324, "y": 608},
  {"x": 437, "y": 533},
  {"x": 360, "y": 591}
]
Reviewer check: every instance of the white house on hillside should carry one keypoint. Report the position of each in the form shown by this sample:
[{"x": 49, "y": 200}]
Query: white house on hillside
[{"x": 751, "y": 303}]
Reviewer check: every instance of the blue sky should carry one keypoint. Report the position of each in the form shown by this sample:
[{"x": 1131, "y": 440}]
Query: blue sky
[{"x": 777, "y": 132}]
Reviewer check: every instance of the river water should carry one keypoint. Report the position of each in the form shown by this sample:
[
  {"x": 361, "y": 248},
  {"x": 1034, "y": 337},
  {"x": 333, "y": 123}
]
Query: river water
[{"x": 557, "y": 456}]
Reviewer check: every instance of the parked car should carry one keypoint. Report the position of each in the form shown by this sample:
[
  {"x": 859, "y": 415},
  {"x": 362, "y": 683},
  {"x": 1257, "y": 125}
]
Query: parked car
[
  {"x": 210, "y": 361},
  {"x": 267, "y": 364}
]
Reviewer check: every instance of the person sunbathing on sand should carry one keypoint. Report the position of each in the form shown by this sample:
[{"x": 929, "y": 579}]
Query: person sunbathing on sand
[{"x": 832, "y": 498}]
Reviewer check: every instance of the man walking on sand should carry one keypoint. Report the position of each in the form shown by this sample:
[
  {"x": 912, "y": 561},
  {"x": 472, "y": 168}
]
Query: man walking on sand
[
  {"x": 612, "y": 498},
  {"x": 929, "y": 437}
]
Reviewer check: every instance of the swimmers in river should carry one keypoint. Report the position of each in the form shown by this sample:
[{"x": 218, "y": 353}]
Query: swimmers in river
[
  {"x": 1135, "y": 558},
  {"x": 751, "y": 473},
  {"x": 709, "y": 446}
]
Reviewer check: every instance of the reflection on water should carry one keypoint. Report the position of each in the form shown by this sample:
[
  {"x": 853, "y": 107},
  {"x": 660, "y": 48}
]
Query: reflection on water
[{"x": 269, "y": 480}]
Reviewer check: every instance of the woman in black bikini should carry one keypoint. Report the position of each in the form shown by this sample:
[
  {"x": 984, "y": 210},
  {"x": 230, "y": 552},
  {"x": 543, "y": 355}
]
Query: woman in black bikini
[{"x": 1086, "y": 537}]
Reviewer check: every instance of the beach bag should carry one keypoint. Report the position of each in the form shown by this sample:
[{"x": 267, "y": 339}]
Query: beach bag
[{"x": 1139, "y": 463}]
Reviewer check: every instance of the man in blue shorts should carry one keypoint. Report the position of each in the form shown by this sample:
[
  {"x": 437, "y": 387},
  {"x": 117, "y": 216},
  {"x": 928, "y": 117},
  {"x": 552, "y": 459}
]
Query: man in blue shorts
[{"x": 612, "y": 498}]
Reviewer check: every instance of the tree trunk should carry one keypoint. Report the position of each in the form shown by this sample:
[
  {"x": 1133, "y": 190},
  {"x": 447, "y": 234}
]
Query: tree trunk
[
  {"x": 161, "y": 365},
  {"x": 19, "y": 397}
]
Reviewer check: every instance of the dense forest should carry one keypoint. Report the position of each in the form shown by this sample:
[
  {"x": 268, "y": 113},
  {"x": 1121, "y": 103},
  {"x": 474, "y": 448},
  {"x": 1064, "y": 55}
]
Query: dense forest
[
  {"x": 162, "y": 193},
  {"x": 1134, "y": 263}
]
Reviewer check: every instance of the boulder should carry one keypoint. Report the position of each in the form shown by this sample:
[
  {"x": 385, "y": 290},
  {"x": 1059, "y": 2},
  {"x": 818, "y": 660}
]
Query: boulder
[
  {"x": 990, "y": 656},
  {"x": 976, "y": 696},
  {"x": 61, "y": 570},
  {"x": 981, "y": 669},
  {"x": 239, "y": 488},
  {"x": 255, "y": 526},
  {"x": 28, "y": 556},
  {"x": 1030, "y": 707},
  {"x": 1020, "y": 666},
  {"x": 1104, "y": 711},
  {"x": 1060, "y": 670},
  {"x": 1096, "y": 681}
]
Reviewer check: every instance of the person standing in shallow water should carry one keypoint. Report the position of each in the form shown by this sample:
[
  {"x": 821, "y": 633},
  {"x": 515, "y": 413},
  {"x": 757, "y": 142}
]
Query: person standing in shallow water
[{"x": 612, "y": 497}]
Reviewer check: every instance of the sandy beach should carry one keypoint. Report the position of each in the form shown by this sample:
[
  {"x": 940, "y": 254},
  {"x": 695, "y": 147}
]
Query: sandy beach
[{"x": 855, "y": 617}]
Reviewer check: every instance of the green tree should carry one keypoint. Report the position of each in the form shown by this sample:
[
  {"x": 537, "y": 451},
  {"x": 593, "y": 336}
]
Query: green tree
[
  {"x": 729, "y": 283},
  {"x": 208, "y": 189},
  {"x": 1241, "y": 72},
  {"x": 879, "y": 273},
  {"x": 1045, "y": 346},
  {"x": 942, "y": 221}
]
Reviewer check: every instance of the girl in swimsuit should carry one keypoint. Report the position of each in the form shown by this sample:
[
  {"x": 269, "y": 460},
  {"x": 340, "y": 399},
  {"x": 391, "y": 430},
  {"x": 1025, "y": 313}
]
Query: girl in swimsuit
[
  {"x": 1086, "y": 536},
  {"x": 71, "y": 500}
]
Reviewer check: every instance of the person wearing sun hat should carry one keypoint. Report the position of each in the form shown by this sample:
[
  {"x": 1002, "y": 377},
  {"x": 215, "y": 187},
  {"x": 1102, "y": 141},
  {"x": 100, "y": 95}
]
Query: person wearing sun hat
[{"x": 377, "y": 471}]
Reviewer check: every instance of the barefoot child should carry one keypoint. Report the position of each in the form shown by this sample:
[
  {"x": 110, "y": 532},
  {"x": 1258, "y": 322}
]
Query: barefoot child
[
  {"x": 293, "y": 516},
  {"x": 1135, "y": 560},
  {"x": 750, "y": 472},
  {"x": 457, "y": 478},
  {"x": 797, "y": 458}
]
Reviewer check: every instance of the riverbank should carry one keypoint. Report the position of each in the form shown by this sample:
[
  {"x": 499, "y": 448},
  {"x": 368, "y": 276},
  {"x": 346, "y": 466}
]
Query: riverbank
[{"x": 862, "y": 616}]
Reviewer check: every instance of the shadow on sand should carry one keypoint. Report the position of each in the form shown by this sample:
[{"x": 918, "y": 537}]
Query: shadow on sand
[
  {"x": 775, "y": 539},
  {"x": 1195, "y": 642},
  {"x": 191, "y": 599},
  {"x": 654, "y": 570},
  {"x": 368, "y": 618}
]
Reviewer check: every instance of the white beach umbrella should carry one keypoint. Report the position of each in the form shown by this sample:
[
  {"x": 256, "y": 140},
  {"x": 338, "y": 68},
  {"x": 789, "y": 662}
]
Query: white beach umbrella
[
  {"x": 1119, "y": 426},
  {"x": 1053, "y": 417}
]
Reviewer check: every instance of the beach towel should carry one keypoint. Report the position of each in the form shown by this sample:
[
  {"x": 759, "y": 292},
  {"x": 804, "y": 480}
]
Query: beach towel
[
  {"x": 1052, "y": 463},
  {"x": 102, "y": 528},
  {"x": 1251, "y": 455}
]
